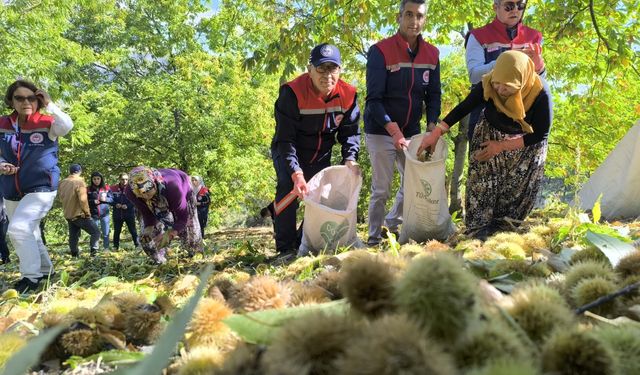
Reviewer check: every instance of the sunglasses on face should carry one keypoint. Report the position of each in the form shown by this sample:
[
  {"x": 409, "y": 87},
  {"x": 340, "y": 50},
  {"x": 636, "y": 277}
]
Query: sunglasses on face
[
  {"x": 510, "y": 5},
  {"x": 21, "y": 99}
]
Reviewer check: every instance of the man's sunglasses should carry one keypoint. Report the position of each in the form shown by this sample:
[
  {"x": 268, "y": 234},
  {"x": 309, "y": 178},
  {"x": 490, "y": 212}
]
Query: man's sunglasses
[
  {"x": 510, "y": 5},
  {"x": 21, "y": 99}
]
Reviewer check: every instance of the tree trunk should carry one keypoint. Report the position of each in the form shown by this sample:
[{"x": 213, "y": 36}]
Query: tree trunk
[
  {"x": 182, "y": 152},
  {"x": 460, "y": 151}
]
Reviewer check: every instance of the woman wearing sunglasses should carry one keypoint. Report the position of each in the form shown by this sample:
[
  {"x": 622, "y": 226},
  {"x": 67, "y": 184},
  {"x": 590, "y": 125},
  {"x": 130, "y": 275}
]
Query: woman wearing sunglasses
[
  {"x": 506, "y": 32},
  {"x": 29, "y": 174},
  {"x": 509, "y": 146},
  {"x": 167, "y": 203}
]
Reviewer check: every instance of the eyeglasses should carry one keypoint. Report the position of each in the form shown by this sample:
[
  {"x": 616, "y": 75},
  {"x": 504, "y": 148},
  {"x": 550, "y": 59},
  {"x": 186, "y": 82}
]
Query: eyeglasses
[
  {"x": 21, "y": 99},
  {"x": 510, "y": 5},
  {"x": 327, "y": 68}
]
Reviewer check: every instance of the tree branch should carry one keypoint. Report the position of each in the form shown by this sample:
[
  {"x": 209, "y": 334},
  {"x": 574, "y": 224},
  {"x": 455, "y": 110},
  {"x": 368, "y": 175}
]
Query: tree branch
[
  {"x": 609, "y": 297},
  {"x": 595, "y": 25}
]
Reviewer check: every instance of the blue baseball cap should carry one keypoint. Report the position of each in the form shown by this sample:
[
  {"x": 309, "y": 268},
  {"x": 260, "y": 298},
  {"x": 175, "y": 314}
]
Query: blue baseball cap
[
  {"x": 75, "y": 168},
  {"x": 324, "y": 53}
]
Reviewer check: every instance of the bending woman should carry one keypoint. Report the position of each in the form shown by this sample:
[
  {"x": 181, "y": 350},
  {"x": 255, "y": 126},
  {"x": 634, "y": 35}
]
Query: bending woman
[
  {"x": 30, "y": 174},
  {"x": 509, "y": 144},
  {"x": 167, "y": 203}
]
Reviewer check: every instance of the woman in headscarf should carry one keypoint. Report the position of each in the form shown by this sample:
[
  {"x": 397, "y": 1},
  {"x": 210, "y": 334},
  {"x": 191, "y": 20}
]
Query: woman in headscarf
[
  {"x": 167, "y": 203},
  {"x": 509, "y": 144},
  {"x": 203, "y": 200}
]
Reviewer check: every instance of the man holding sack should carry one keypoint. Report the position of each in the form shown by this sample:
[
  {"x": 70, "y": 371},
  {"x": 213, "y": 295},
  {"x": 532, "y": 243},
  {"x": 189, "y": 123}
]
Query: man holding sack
[{"x": 312, "y": 112}]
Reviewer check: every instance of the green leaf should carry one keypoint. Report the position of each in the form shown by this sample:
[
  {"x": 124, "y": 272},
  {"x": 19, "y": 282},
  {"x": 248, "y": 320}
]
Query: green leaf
[
  {"x": 111, "y": 357},
  {"x": 597, "y": 209},
  {"x": 28, "y": 356},
  {"x": 155, "y": 362},
  {"x": 106, "y": 281},
  {"x": 259, "y": 327},
  {"x": 611, "y": 247}
]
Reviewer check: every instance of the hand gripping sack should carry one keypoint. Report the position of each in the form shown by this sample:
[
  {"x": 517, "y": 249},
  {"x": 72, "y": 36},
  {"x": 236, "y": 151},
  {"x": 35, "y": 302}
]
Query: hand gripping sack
[
  {"x": 330, "y": 210},
  {"x": 425, "y": 210}
]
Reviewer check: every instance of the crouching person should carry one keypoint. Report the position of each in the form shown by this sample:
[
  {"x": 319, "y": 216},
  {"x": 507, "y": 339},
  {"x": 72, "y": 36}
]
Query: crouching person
[{"x": 167, "y": 204}]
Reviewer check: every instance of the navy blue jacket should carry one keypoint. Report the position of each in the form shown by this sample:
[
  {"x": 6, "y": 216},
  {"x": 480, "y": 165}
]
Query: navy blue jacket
[
  {"x": 36, "y": 155},
  {"x": 399, "y": 81},
  {"x": 119, "y": 197},
  {"x": 307, "y": 125}
]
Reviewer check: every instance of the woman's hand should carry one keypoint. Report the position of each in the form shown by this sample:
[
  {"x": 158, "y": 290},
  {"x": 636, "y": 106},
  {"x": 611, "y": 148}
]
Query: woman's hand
[
  {"x": 429, "y": 141},
  {"x": 8, "y": 168},
  {"x": 491, "y": 149},
  {"x": 44, "y": 97}
]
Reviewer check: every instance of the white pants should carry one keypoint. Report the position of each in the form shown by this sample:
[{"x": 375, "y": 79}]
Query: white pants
[
  {"x": 24, "y": 232},
  {"x": 383, "y": 156}
]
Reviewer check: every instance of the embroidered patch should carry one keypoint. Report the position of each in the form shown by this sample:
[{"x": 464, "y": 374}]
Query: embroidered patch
[
  {"x": 493, "y": 49},
  {"x": 393, "y": 68},
  {"x": 326, "y": 51},
  {"x": 338, "y": 119},
  {"x": 425, "y": 76},
  {"x": 36, "y": 138}
]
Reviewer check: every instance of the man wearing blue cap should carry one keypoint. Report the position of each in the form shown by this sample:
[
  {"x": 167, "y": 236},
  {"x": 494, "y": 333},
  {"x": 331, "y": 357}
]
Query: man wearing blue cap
[
  {"x": 72, "y": 191},
  {"x": 312, "y": 112}
]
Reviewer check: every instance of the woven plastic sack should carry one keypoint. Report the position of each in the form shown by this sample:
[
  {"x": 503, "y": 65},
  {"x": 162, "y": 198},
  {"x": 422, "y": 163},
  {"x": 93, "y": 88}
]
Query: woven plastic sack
[
  {"x": 425, "y": 210},
  {"x": 330, "y": 210}
]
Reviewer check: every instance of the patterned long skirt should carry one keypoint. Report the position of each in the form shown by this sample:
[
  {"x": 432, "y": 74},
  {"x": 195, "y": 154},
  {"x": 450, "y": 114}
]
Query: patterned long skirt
[
  {"x": 506, "y": 185},
  {"x": 190, "y": 236}
]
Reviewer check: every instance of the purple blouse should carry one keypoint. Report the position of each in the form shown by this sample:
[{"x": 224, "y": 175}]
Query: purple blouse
[{"x": 177, "y": 191}]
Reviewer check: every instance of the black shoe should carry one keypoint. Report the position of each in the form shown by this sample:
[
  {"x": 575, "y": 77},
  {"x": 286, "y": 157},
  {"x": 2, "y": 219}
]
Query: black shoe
[
  {"x": 483, "y": 233},
  {"x": 385, "y": 233},
  {"x": 25, "y": 285},
  {"x": 284, "y": 256},
  {"x": 46, "y": 277}
]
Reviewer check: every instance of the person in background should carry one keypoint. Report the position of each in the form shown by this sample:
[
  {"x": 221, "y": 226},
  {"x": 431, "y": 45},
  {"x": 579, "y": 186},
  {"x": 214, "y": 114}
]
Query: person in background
[
  {"x": 203, "y": 200},
  {"x": 29, "y": 174},
  {"x": 506, "y": 32},
  {"x": 4, "y": 224},
  {"x": 403, "y": 76},
  {"x": 312, "y": 112},
  {"x": 75, "y": 204},
  {"x": 167, "y": 203},
  {"x": 100, "y": 198},
  {"x": 123, "y": 212},
  {"x": 509, "y": 145}
]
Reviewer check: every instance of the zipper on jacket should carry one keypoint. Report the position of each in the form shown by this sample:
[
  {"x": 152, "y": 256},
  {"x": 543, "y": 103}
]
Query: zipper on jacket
[
  {"x": 406, "y": 122},
  {"x": 17, "y": 177},
  {"x": 319, "y": 137}
]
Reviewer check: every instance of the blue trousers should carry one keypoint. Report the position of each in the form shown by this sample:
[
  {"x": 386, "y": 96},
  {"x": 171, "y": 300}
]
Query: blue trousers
[
  {"x": 103, "y": 223},
  {"x": 287, "y": 237}
]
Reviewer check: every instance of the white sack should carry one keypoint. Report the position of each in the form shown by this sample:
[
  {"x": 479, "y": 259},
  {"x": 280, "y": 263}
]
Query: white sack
[
  {"x": 425, "y": 211},
  {"x": 330, "y": 210},
  {"x": 617, "y": 179}
]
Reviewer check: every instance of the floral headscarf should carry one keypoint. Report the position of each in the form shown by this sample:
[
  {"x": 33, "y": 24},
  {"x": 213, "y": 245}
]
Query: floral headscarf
[{"x": 143, "y": 179}]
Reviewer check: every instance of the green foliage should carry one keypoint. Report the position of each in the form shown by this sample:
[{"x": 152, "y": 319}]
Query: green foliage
[
  {"x": 259, "y": 327},
  {"x": 166, "y": 344},
  {"x": 29, "y": 355},
  {"x": 173, "y": 84}
]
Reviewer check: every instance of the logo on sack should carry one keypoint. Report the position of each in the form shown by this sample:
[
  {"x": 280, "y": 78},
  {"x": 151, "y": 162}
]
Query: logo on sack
[
  {"x": 36, "y": 138},
  {"x": 332, "y": 232},
  {"x": 338, "y": 119},
  {"x": 426, "y": 186},
  {"x": 426, "y": 193}
]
